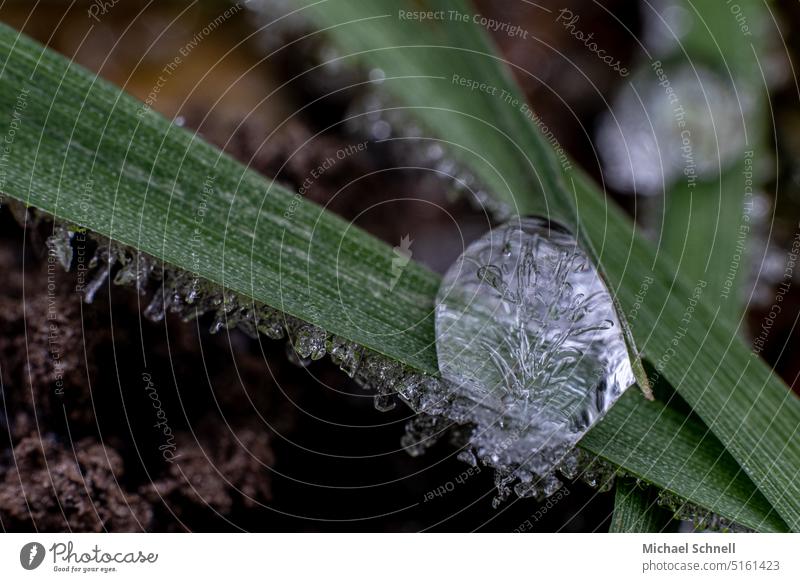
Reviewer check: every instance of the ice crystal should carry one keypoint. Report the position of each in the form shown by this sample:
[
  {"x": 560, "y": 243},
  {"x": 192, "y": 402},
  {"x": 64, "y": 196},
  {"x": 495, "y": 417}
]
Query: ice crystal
[
  {"x": 696, "y": 517},
  {"x": 309, "y": 341},
  {"x": 346, "y": 354},
  {"x": 59, "y": 244},
  {"x": 530, "y": 344}
]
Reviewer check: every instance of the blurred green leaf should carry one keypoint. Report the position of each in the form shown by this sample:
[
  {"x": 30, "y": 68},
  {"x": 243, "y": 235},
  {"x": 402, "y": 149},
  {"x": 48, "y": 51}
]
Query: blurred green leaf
[{"x": 707, "y": 221}]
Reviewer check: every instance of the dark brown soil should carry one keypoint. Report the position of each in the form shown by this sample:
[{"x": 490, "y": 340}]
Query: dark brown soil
[{"x": 77, "y": 414}]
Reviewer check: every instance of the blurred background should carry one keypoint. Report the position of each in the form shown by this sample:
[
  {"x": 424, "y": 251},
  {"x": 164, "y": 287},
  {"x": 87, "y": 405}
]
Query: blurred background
[{"x": 265, "y": 445}]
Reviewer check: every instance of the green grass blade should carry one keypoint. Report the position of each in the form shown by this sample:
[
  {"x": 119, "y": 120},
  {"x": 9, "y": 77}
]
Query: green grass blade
[
  {"x": 734, "y": 393},
  {"x": 677, "y": 453},
  {"x": 91, "y": 155},
  {"x": 636, "y": 510}
]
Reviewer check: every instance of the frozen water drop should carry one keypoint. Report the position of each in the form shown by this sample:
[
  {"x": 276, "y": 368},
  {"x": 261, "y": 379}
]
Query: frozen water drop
[
  {"x": 294, "y": 357},
  {"x": 550, "y": 485},
  {"x": 529, "y": 344},
  {"x": 538, "y": 489},
  {"x": 377, "y": 76},
  {"x": 155, "y": 309},
  {"x": 20, "y": 212},
  {"x": 59, "y": 244},
  {"x": 468, "y": 457},
  {"x": 597, "y": 473},
  {"x": 375, "y": 115},
  {"x": 270, "y": 323},
  {"x": 309, "y": 341},
  {"x": 381, "y": 130},
  {"x": 379, "y": 373},
  {"x": 346, "y": 354},
  {"x": 423, "y": 393},
  {"x": 699, "y": 519},
  {"x": 247, "y": 323},
  {"x": 433, "y": 153},
  {"x": 570, "y": 465},
  {"x": 136, "y": 271}
]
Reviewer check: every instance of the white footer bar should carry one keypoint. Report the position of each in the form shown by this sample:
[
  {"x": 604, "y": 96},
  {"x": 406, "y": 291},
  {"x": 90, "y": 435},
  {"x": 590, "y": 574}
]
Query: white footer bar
[{"x": 400, "y": 557}]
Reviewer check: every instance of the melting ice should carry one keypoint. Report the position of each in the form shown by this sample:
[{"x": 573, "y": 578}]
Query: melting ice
[{"x": 530, "y": 344}]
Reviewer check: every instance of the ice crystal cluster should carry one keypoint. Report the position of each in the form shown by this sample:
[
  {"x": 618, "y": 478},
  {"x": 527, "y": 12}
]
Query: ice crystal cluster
[
  {"x": 696, "y": 518},
  {"x": 495, "y": 418}
]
